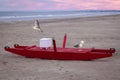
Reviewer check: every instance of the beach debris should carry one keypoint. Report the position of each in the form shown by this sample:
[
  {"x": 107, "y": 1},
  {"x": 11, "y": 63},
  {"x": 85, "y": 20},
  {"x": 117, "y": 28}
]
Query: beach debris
[
  {"x": 4, "y": 62},
  {"x": 80, "y": 44},
  {"x": 37, "y": 26}
]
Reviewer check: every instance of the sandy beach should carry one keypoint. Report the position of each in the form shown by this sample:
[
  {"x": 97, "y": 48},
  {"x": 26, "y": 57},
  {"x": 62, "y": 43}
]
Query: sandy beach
[{"x": 98, "y": 32}]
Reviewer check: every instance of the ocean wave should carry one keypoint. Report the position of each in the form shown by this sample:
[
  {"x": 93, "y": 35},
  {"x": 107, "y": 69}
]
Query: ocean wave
[{"x": 55, "y": 14}]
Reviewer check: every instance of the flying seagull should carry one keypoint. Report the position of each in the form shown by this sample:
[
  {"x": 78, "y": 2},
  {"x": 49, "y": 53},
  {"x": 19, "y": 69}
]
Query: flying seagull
[{"x": 37, "y": 26}]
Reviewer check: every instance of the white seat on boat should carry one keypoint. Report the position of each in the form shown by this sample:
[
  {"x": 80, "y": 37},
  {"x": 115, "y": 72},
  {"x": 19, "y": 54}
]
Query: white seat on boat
[{"x": 45, "y": 43}]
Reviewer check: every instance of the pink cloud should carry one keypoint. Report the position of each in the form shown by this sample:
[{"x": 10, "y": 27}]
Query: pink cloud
[{"x": 87, "y": 4}]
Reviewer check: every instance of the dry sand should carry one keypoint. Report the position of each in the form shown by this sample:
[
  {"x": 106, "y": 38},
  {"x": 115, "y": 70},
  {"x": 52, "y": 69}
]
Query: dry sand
[{"x": 99, "y": 32}]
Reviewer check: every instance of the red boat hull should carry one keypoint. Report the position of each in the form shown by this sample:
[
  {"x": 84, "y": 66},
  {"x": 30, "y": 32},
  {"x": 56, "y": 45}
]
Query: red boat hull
[{"x": 61, "y": 53}]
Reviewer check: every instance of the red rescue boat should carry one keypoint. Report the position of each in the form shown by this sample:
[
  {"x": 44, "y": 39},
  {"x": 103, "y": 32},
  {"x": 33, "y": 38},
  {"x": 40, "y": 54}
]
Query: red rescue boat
[{"x": 58, "y": 53}]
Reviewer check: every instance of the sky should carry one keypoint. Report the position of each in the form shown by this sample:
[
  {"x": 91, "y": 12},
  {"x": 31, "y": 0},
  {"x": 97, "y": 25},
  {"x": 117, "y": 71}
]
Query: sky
[{"x": 18, "y": 5}]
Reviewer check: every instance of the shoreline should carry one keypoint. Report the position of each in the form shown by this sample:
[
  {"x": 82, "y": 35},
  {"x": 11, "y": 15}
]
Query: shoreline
[{"x": 60, "y": 19}]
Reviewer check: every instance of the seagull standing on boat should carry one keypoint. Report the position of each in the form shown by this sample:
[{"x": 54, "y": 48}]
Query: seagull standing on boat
[
  {"x": 80, "y": 44},
  {"x": 37, "y": 26}
]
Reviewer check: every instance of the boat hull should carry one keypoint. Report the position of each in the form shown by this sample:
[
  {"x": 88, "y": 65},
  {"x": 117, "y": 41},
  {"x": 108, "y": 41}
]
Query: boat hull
[{"x": 61, "y": 53}]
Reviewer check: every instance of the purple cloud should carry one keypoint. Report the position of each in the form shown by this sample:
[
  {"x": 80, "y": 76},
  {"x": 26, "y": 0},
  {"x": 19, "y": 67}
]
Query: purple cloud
[{"x": 59, "y": 4}]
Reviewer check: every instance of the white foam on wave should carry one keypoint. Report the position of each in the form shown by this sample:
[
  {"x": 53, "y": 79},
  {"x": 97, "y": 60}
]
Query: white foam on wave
[{"x": 48, "y": 15}]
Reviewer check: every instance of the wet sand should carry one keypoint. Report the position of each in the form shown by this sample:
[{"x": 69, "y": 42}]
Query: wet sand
[{"x": 99, "y": 32}]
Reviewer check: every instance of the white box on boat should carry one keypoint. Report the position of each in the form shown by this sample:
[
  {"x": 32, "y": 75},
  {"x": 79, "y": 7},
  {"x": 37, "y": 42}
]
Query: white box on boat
[{"x": 45, "y": 42}]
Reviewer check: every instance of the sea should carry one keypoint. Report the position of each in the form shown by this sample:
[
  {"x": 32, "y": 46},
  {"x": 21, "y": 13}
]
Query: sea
[{"x": 30, "y": 15}]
